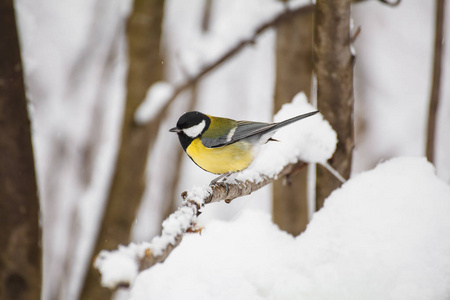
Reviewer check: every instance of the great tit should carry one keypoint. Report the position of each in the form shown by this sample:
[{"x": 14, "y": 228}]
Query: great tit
[{"x": 224, "y": 146}]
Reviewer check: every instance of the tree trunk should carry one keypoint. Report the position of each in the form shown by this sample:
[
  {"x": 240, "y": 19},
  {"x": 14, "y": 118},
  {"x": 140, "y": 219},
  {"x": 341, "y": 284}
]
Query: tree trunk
[
  {"x": 145, "y": 68},
  {"x": 436, "y": 83},
  {"x": 334, "y": 71},
  {"x": 294, "y": 67},
  {"x": 20, "y": 235}
]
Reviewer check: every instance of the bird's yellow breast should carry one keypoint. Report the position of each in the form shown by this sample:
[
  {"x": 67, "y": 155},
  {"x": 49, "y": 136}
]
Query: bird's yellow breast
[{"x": 231, "y": 158}]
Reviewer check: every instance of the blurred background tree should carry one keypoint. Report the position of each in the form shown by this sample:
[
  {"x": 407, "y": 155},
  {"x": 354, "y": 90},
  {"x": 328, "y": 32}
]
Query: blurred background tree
[
  {"x": 128, "y": 182},
  {"x": 20, "y": 234},
  {"x": 294, "y": 71},
  {"x": 334, "y": 71}
]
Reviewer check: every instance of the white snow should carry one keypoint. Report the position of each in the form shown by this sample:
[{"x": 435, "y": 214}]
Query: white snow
[
  {"x": 120, "y": 266},
  {"x": 157, "y": 96},
  {"x": 310, "y": 140},
  {"x": 175, "y": 224},
  {"x": 197, "y": 194},
  {"x": 383, "y": 235}
]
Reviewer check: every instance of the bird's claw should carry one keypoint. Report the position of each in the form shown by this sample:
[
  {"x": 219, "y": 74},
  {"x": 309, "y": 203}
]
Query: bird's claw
[{"x": 224, "y": 184}]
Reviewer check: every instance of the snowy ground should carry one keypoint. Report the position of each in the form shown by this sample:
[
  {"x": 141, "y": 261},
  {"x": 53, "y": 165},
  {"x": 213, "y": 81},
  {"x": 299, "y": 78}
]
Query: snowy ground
[{"x": 383, "y": 235}]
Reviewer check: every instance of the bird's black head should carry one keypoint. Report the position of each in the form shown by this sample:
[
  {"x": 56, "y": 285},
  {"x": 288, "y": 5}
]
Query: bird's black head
[{"x": 190, "y": 126}]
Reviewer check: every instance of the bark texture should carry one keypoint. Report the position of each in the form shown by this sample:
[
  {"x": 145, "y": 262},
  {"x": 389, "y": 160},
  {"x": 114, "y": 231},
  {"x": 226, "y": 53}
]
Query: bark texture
[
  {"x": 145, "y": 68},
  {"x": 334, "y": 71},
  {"x": 20, "y": 236},
  {"x": 294, "y": 67}
]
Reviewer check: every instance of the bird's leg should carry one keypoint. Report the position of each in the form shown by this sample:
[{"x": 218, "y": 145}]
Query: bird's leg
[{"x": 223, "y": 177}]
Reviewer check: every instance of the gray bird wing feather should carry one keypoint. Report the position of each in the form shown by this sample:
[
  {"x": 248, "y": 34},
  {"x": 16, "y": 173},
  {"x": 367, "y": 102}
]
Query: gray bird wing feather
[
  {"x": 255, "y": 131},
  {"x": 243, "y": 130}
]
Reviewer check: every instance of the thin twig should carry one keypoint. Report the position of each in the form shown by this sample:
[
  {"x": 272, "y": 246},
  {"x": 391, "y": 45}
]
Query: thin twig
[
  {"x": 435, "y": 89},
  {"x": 392, "y": 4},
  {"x": 334, "y": 172},
  {"x": 355, "y": 34},
  {"x": 386, "y": 2}
]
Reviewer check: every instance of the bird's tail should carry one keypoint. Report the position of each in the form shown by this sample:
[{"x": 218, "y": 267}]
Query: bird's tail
[{"x": 294, "y": 119}]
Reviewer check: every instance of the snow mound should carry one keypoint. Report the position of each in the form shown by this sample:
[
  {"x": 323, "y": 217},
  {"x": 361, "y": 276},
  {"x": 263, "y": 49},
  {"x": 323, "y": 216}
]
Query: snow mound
[
  {"x": 120, "y": 267},
  {"x": 310, "y": 140},
  {"x": 383, "y": 235}
]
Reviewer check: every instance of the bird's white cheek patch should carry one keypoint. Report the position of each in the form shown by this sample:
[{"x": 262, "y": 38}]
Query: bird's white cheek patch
[{"x": 195, "y": 131}]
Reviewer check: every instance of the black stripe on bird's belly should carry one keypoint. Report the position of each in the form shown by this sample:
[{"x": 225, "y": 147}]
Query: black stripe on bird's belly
[{"x": 185, "y": 140}]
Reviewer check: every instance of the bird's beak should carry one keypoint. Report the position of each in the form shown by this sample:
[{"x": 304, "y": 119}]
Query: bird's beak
[{"x": 175, "y": 129}]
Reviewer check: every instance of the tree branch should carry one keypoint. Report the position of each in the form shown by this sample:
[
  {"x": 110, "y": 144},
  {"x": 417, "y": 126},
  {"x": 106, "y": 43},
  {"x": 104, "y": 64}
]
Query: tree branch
[
  {"x": 183, "y": 220},
  {"x": 434, "y": 97},
  {"x": 215, "y": 193},
  {"x": 282, "y": 17},
  {"x": 311, "y": 141}
]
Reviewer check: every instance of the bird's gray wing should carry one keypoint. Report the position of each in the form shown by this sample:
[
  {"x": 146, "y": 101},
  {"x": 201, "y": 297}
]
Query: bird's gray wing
[
  {"x": 244, "y": 129},
  {"x": 260, "y": 132}
]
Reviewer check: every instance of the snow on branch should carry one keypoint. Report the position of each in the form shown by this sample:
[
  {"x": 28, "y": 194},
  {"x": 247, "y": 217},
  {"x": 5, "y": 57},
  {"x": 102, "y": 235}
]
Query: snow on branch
[
  {"x": 311, "y": 140},
  {"x": 161, "y": 95},
  {"x": 120, "y": 267}
]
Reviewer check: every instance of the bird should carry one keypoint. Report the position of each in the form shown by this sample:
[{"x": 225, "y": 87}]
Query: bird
[{"x": 225, "y": 146}]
